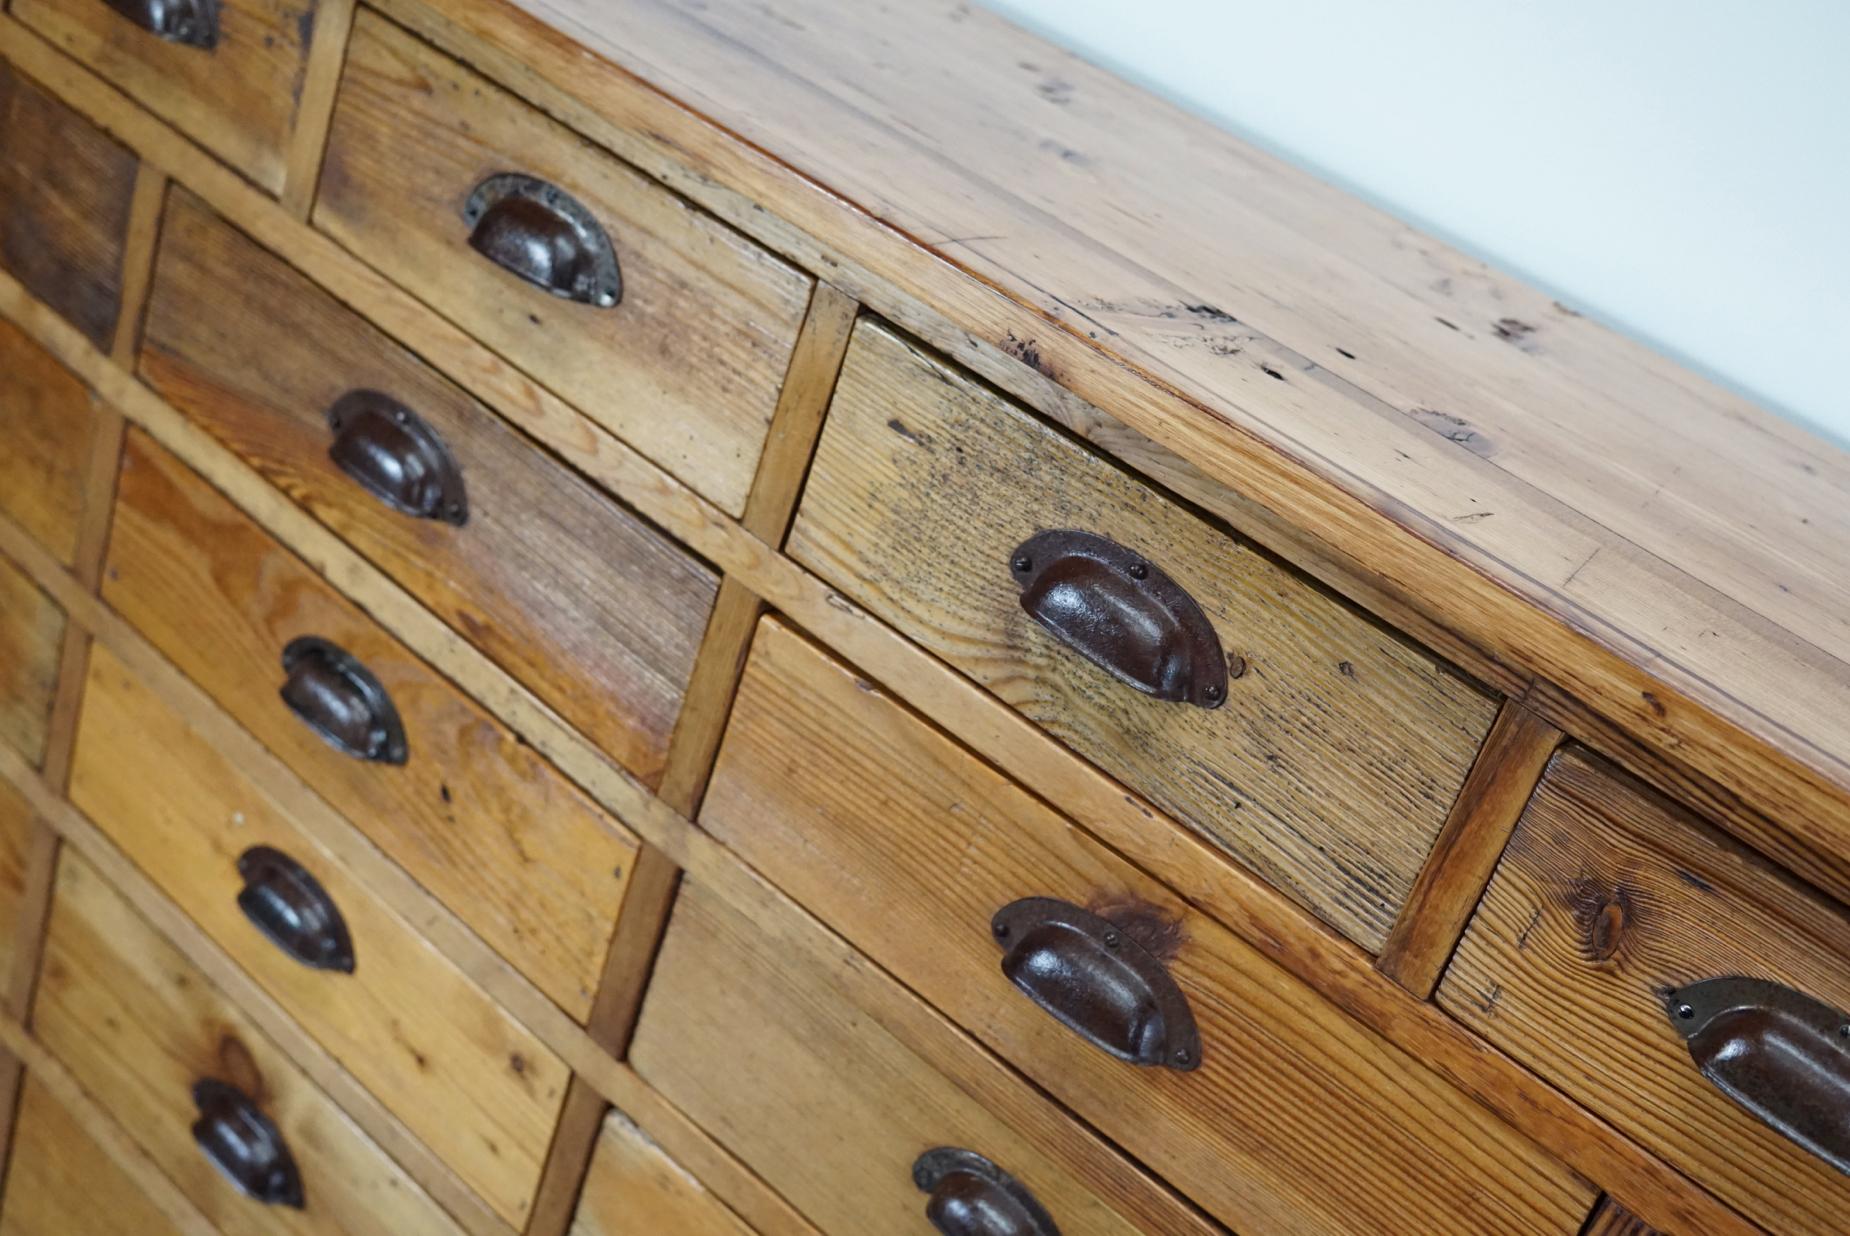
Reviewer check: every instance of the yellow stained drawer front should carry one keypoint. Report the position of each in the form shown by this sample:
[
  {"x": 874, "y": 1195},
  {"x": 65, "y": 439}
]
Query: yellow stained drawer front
[
  {"x": 596, "y": 610},
  {"x": 748, "y": 1028},
  {"x": 1297, "y": 1119},
  {"x": 686, "y": 367},
  {"x": 632, "y": 1187},
  {"x": 59, "y": 1182},
  {"x": 140, "y": 1026},
  {"x": 48, "y": 421},
  {"x": 31, "y": 635},
  {"x": 472, "y": 813},
  {"x": 1335, "y": 756},
  {"x": 237, "y": 98},
  {"x": 1608, "y": 899},
  {"x": 462, "y": 1074},
  {"x": 65, "y": 188}
]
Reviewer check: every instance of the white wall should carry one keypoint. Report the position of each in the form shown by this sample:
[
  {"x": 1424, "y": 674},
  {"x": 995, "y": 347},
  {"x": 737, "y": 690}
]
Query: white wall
[{"x": 1677, "y": 168}]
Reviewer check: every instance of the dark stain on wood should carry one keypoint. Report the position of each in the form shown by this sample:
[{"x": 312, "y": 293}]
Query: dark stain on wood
[
  {"x": 1158, "y": 930},
  {"x": 1455, "y": 429}
]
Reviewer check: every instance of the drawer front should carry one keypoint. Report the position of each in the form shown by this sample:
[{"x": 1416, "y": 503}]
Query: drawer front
[
  {"x": 1607, "y": 898},
  {"x": 686, "y": 367},
  {"x": 1296, "y": 1118},
  {"x": 473, "y": 813},
  {"x": 237, "y": 98},
  {"x": 67, "y": 187},
  {"x": 462, "y": 1074},
  {"x": 48, "y": 422},
  {"x": 1331, "y": 764},
  {"x": 599, "y": 612},
  {"x": 139, "y": 1026},
  {"x": 632, "y": 1186},
  {"x": 59, "y": 1180},
  {"x": 31, "y": 634},
  {"x": 748, "y": 1030}
]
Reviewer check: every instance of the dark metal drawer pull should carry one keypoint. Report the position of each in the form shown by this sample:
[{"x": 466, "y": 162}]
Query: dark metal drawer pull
[
  {"x": 289, "y": 906},
  {"x": 543, "y": 234},
  {"x": 191, "y": 23},
  {"x": 340, "y": 700},
  {"x": 243, "y": 1144},
  {"x": 1777, "y": 1052},
  {"x": 1098, "y": 981},
  {"x": 393, "y": 455},
  {"x": 970, "y": 1196},
  {"x": 1120, "y": 612}
]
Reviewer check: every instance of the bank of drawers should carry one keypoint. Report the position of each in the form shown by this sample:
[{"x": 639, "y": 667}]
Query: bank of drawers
[
  {"x": 1610, "y": 910},
  {"x": 910, "y": 988},
  {"x": 229, "y": 75},
  {"x": 1330, "y": 761}
]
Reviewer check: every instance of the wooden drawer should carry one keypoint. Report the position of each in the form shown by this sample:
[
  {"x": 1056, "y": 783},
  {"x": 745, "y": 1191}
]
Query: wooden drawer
[
  {"x": 48, "y": 421},
  {"x": 31, "y": 636},
  {"x": 633, "y": 1187},
  {"x": 599, "y": 612},
  {"x": 1296, "y": 1119},
  {"x": 475, "y": 1085},
  {"x": 66, "y": 186},
  {"x": 1608, "y": 898},
  {"x": 238, "y": 98},
  {"x": 473, "y": 813},
  {"x": 1336, "y": 754},
  {"x": 58, "y": 1180},
  {"x": 687, "y": 366},
  {"x": 139, "y": 1025},
  {"x": 750, "y": 1028}
]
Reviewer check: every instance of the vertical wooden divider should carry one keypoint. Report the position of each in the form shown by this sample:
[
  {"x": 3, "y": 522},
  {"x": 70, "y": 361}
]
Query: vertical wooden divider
[
  {"x": 769, "y": 509},
  {"x": 74, "y": 656},
  {"x": 315, "y": 109},
  {"x": 1504, "y": 775}
]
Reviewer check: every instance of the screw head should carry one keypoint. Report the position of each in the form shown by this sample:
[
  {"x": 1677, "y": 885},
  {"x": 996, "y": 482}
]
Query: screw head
[
  {"x": 1022, "y": 564},
  {"x": 1182, "y": 1056},
  {"x": 1001, "y": 930},
  {"x": 1112, "y": 939},
  {"x": 1140, "y": 570},
  {"x": 1212, "y": 693},
  {"x": 1685, "y": 1011}
]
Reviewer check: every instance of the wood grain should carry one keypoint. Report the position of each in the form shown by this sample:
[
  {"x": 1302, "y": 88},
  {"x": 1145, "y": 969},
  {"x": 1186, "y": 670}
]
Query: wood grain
[
  {"x": 1607, "y": 897},
  {"x": 634, "y": 1187},
  {"x": 687, "y": 367},
  {"x": 854, "y": 158},
  {"x": 49, "y": 419},
  {"x": 755, "y": 1041},
  {"x": 569, "y": 591},
  {"x": 474, "y": 1084},
  {"x": 475, "y": 815},
  {"x": 1258, "y": 913},
  {"x": 239, "y": 100},
  {"x": 138, "y": 1025},
  {"x": 1331, "y": 766},
  {"x": 31, "y": 640},
  {"x": 67, "y": 186},
  {"x": 60, "y": 1180},
  {"x": 1297, "y": 1118},
  {"x": 1462, "y": 859}
]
